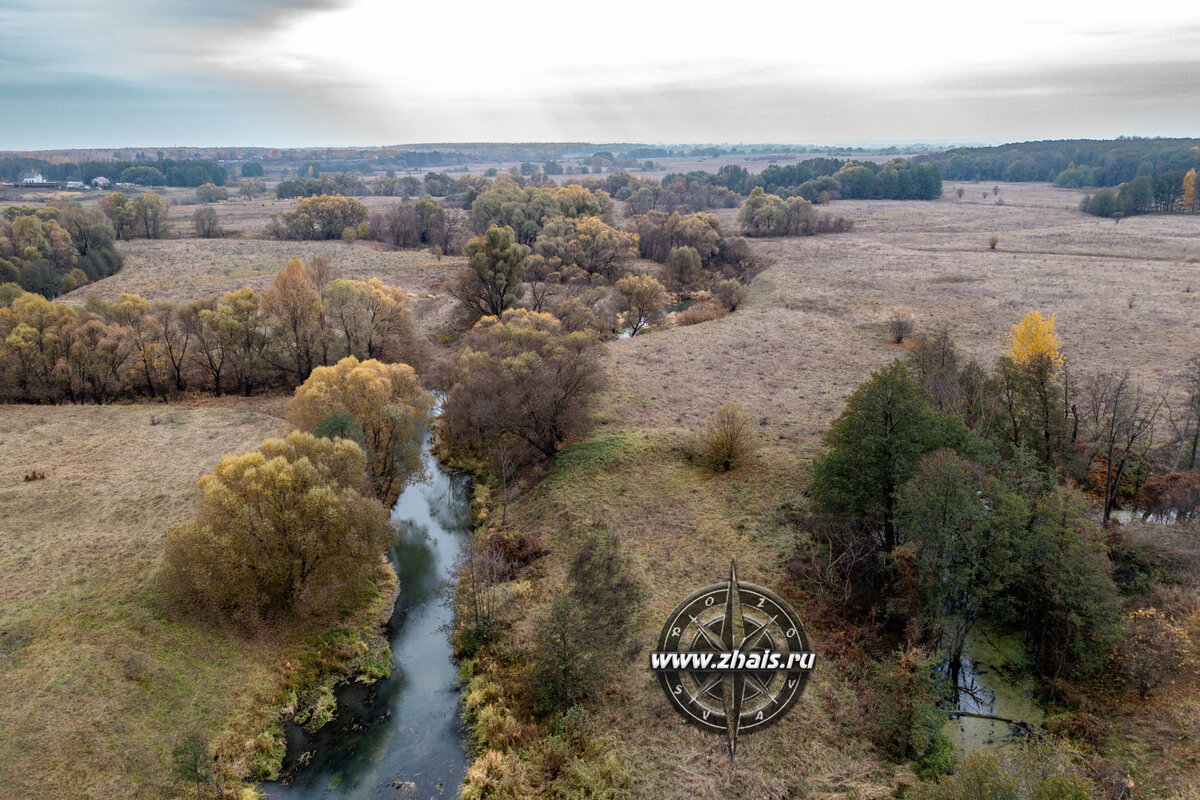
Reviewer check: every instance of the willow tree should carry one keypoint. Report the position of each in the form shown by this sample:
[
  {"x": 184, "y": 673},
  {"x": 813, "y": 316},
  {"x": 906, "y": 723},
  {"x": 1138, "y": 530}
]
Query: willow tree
[
  {"x": 521, "y": 376},
  {"x": 495, "y": 270},
  {"x": 293, "y": 308},
  {"x": 386, "y": 402},
  {"x": 290, "y": 527}
]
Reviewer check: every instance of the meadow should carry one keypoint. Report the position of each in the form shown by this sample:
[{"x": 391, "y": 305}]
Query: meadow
[{"x": 100, "y": 681}]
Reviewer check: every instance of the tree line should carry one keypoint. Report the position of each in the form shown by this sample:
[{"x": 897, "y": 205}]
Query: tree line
[
  {"x": 241, "y": 342},
  {"x": 166, "y": 172},
  {"x": 1077, "y": 162},
  {"x": 1167, "y": 192}
]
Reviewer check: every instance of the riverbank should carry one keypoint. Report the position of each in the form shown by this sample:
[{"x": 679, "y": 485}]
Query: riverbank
[
  {"x": 98, "y": 681},
  {"x": 398, "y": 727},
  {"x": 678, "y": 525}
]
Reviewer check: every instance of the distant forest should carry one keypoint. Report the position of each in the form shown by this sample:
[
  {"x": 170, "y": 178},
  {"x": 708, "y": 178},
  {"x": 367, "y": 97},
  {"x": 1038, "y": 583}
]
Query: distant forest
[
  {"x": 187, "y": 172},
  {"x": 1074, "y": 163}
]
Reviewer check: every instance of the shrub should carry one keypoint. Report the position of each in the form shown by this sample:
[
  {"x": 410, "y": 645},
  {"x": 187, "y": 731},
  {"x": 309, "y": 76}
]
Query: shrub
[
  {"x": 900, "y": 324},
  {"x": 704, "y": 311},
  {"x": 730, "y": 293},
  {"x": 1028, "y": 772},
  {"x": 1153, "y": 649},
  {"x": 726, "y": 440},
  {"x": 211, "y": 193}
]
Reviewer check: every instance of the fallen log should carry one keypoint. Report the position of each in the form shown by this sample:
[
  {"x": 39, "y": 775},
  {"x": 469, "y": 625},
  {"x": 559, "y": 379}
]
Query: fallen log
[{"x": 1016, "y": 723}]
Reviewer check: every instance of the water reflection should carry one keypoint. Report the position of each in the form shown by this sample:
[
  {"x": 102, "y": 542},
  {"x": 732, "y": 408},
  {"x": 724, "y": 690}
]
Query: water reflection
[{"x": 401, "y": 737}]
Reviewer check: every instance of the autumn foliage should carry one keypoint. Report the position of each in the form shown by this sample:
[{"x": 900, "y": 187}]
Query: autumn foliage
[
  {"x": 1033, "y": 343},
  {"x": 289, "y": 528},
  {"x": 521, "y": 376},
  {"x": 387, "y": 404},
  {"x": 242, "y": 341},
  {"x": 726, "y": 440}
]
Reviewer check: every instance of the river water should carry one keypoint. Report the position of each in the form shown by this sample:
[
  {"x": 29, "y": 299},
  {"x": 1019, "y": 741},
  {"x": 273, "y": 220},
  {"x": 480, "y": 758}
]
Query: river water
[{"x": 401, "y": 737}]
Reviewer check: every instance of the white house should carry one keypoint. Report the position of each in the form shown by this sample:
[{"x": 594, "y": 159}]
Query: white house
[{"x": 32, "y": 177}]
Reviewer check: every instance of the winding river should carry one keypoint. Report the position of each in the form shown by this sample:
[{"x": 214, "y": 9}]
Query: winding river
[{"x": 402, "y": 737}]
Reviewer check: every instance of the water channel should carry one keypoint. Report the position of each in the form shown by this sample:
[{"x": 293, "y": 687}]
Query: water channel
[{"x": 401, "y": 737}]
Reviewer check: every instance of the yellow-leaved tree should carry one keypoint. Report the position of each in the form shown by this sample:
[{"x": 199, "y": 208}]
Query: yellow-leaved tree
[
  {"x": 291, "y": 527},
  {"x": 1188, "y": 198},
  {"x": 1030, "y": 388},
  {"x": 1034, "y": 344},
  {"x": 381, "y": 405}
]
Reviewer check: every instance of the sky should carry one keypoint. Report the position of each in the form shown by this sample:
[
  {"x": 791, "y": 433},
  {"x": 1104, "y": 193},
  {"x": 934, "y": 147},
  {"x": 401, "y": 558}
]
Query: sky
[{"x": 140, "y": 73}]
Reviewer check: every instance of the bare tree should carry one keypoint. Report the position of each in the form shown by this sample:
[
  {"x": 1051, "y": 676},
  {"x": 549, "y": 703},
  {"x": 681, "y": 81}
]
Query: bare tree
[
  {"x": 506, "y": 458},
  {"x": 480, "y": 570},
  {"x": 1119, "y": 417},
  {"x": 1192, "y": 414}
]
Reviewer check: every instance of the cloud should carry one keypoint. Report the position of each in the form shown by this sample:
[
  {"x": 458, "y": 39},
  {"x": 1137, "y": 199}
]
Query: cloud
[{"x": 376, "y": 72}]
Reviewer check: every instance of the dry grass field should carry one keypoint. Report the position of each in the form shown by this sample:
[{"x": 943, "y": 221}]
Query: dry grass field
[
  {"x": 680, "y": 526},
  {"x": 813, "y": 327},
  {"x": 185, "y": 269},
  {"x": 97, "y": 683}
]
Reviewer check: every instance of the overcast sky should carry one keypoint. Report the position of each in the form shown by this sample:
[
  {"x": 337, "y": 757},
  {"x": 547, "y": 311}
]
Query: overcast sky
[{"x": 81, "y": 73}]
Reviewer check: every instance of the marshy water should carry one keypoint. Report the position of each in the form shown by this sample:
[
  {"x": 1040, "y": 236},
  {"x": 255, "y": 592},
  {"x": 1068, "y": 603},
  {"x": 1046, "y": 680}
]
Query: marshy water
[
  {"x": 401, "y": 737},
  {"x": 988, "y": 686}
]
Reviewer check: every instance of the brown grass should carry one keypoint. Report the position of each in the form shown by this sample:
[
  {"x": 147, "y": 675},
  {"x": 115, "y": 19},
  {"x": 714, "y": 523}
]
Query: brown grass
[
  {"x": 97, "y": 682},
  {"x": 184, "y": 269},
  {"x": 681, "y": 524},
  {"x": 810, "y": 330}
]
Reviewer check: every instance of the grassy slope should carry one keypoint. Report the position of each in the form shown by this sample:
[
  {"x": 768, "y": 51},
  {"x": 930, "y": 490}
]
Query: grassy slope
[
  {"x": 811, "y": 331},
  {"x": 96, "y": 683},
  {"x": 682, "y": 526}
]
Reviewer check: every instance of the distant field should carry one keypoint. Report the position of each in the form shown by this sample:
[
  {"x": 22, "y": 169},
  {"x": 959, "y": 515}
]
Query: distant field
[
  {"x": 97, "y": 683},
  {"x": 813, "y": 326}
]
